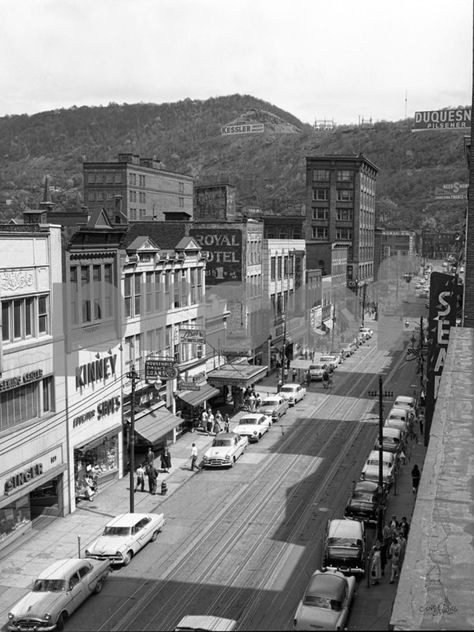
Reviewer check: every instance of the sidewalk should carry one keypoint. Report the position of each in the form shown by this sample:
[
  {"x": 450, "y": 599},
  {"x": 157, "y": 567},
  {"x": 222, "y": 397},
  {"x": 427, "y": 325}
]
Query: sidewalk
[{"x": 373, "y": 605}]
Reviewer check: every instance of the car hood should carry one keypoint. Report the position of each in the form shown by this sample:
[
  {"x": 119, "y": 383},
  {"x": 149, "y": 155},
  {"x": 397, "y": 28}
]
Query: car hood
[
  {"x": 37, "y": 604},
  {"x": 218, "y": 451},
  {"x": 312, "y": 616},
  {"x": 246, "y": 428},
  {"x": 268, "y": 409},
  {"x": 108, "y": 545},
  {"x": 372, "y": 472}
]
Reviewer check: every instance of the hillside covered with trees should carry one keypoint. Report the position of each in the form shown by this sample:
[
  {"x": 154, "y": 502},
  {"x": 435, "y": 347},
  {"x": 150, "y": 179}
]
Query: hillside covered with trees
[{"x": 268, "y": 169}]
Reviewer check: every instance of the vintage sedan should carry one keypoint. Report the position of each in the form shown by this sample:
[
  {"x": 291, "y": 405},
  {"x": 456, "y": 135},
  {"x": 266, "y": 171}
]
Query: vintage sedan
[
  {"x": 332, "y": 361},
  {"x": 366, "y": 332},
  {"x": 274, "y": 406},
  {"x": 124, "y": 536},
  {"x": 253, "y": 426},
  {"x": 317, "y": 371},
  {"x": 293, "y": 393},
  {"x": 366, "y": 502},
  {"x": 326, "y": 602},
  {"x": 225, "y": 450},
  {"x": 370, "y": 471},
  {"x": 56, "y": 593},
  {"x": 344, "y": 547}
]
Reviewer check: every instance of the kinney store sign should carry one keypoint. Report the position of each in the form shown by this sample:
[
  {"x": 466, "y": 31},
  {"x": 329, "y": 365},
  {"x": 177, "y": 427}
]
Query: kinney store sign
[{"x": 442, "y": 316}]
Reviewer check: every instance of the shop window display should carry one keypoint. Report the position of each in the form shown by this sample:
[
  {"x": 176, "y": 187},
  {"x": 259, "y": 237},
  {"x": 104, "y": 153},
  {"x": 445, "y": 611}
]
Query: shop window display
[
  {"x": 13, "y": 517},
  {"x": 93, "y": 463}
]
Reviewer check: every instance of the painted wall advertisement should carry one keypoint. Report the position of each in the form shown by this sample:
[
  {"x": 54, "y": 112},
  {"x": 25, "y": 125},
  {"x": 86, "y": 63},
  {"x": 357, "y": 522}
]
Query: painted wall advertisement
[
  {"x": 454, "y": 191},
  {"x": 224, "y": 253},
  {"x": 442, "y": 316}
]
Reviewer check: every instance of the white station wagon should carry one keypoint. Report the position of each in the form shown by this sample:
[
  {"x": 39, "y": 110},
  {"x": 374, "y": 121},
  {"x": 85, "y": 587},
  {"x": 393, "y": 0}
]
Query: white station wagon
[
  {"x": 225, "y": 450},
  {"x": 253, "y": 426},
  {"x": 124, "y": 536},
  {"x": 56, "y": 593},
  {"x": 293, "y": 393}
]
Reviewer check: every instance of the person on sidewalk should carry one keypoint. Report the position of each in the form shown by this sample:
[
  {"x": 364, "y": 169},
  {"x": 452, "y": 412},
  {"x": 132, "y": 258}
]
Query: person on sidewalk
[
  {"x": 194, "y": 456},
  {"x": 395, "y": 560},
  {"x": 167, "y": 459},
  {"x": 150, "y": 456},
  {"x": 294, "y": 374},
  {"x": 210, "y": 421},
  {"x": 415, "y": 478},
  {"x": 204, "y": 418},
  {"x": 152, "y": 474},
  {"x": 376, "y": 565},
  {"x": 404, "y": 527},
  {"x": 226, "y": 422},
  {"x": 308, "y": 378},
  {"x": 140, "y": 478}
]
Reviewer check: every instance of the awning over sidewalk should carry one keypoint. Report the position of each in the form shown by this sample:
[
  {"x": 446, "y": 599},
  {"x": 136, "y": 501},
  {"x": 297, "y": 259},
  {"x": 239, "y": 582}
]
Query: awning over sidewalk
[
  {"x": 300, "y": 363},
  {"x": 328, "y": 323},
  {"x": 156, "y": 424},
  {"x": 194, "y": 398},
  {"x": 237, "y": 374}
]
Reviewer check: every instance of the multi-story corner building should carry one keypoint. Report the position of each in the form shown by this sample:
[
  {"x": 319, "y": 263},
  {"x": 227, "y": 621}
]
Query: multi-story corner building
[
  {"x": 33, "y": 429},
  {"x": 341, "y": 207},
  {"x": 139, "y": 188}
]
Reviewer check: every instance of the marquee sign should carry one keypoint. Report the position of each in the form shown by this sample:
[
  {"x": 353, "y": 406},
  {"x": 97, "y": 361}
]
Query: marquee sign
[{"x": 458, "y": 118}]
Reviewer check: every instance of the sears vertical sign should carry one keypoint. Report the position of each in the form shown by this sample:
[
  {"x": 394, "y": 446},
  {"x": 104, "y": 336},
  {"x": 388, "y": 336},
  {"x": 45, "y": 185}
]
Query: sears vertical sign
[{"x": 442, "y": 316}]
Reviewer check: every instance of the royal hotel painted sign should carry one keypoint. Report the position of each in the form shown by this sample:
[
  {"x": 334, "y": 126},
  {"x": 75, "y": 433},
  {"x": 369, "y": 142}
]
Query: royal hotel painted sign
[{"x": 224, "y": 253}]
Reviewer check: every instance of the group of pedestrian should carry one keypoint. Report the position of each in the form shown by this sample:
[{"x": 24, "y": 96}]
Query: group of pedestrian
[
  {"x": 147, "y": 470},
  {"x": 214, "y": 423},
  {"x": 252, "y": 399},
  {"x": 390, "y": 549}
]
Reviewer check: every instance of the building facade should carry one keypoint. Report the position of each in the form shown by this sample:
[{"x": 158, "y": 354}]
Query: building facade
[
  {"x": 33, "y": 428},
  {"x": 139, "y": 188},
  {"x": 341, "y": 207}
]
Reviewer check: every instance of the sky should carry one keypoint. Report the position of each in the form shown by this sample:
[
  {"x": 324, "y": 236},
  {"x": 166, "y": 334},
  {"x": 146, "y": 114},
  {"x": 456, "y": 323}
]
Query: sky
[{"x": 341, "y": 60}]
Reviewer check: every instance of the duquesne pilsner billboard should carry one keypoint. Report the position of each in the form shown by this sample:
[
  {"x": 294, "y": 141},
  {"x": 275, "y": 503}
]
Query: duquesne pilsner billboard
[{"x": 457, "y": 118}]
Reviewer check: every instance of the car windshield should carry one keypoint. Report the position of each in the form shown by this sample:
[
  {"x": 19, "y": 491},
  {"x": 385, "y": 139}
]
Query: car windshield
[
  {"x": 316, "y": 367},
  {"x": 361, "y": 496},
  {"x": 270, "y": 402},
  {"x": 344, "y": 542},
  {"x": 287, "y": 389},
  {"x": 117, "y": 531},
  {"x": 220, "y": 443},
  {"x": 49, "y": 585},
  {"x": 247, "y": 421},
  {"x": 317, "y": 601}
]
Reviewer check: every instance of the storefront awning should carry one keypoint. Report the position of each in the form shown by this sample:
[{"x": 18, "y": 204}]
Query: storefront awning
[
  {"x": 237, "y": 374},
  {"x": 194, "y": 398},
  {"x": 329, "y": 323},
  {"x": 300, "y": 363},
  {"x": 156, "y": 424}
]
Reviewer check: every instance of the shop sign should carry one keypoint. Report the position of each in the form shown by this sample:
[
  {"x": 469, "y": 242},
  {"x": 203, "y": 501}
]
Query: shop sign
[
  {"x": 188, "y": 386},
  {"x": 105, "y": 408},
  {"x": 27, "y": 473},
  {"x": 224, "y": 253},
  {"x": 18, "y": 380},
  {"x": 161, "y": 368},
  {"x": 91, "y": 372},
  {"x": 189, "y": 334}
]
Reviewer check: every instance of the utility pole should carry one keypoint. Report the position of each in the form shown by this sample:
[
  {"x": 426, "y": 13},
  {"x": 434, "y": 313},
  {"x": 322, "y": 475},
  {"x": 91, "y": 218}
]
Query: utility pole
[{"x": 132, "y": 375}]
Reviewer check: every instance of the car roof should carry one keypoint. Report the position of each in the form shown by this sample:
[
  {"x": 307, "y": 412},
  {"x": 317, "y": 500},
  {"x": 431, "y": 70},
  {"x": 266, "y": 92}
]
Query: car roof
[
  {"x": 386, "y": 456},
  {"x": 251, "y": 416},
  {"x": 126, "y": 520},
  {"x": 391, "y": 431},
  {"x": 206, "y": 622},
  {"x": 226, "y": 435},
  {"x": 328, "y": 585},
  {"x": 365, "y": 486},
  {"x": 63, "y": 567},
  {"x": 345, "y": 529},
  {"x": 405, "y": 399},
  {"x": 290, "y": 384},
  {"x": 397, "y": 411}
]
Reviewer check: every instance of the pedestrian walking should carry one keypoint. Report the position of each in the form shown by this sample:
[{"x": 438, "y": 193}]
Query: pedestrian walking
[
  {"x": 194, "y": 456},
  {"x": 168, "y": 459},
  {"x": 386, "y": 542},
  {"x": 294, "y": 373},
  {"x": 204, "y": 418},
  {"x": 210, "y": 421},
  {"x": 403, "y": 545},
  {"x": 404, "y": 527},
  {"x": 140, "y": 472},
  {"x": 393, "y": 524},
  {"x": 376, "y": 565},
  {"x": 280, "y": 384},
  {"x": 251, "y": 400},
  {"x": 308, "y": 378},
  {"x": 394, "y": 560},
  {"x": 163, "y": 461},
  {"x": 415, "y": 478},
  {"x": 226, "y": 422},
  {"x": 217, "y": 427},
  {"x": 152, "y": 474},
  {"x": 219, "y": 418},
  {"x": 150, "y": 456}
]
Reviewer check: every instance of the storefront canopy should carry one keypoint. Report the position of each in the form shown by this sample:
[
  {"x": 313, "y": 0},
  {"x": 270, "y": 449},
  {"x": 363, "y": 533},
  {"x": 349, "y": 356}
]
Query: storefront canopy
[
  {"x": 300, "y": 363},
  {"x": 156, "y": 424},
  {"x": 194, "y": 398},
  {"x": 237, "y": 374}
]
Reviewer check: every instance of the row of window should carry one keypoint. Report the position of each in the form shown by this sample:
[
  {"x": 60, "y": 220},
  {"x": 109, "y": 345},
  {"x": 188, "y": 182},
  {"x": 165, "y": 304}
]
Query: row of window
[
  {"x": 109, "y": 177},
  {"x": 281, "y": 267},
  {"x": 100, "y": 196},
  {"x": 342, "y": 214},
  {"x": 27, "y": 402},
  {"x": 141, "y": 196},
  {"x": 342, "y": 195},
  {"x": 137, "y": 213},
  {"x": 322, "y": 232},
  {"x": 92, "y": 292},
  {"x": 132, "y": 180},
  {"x": 25, "y": 318},
  {"x": 324, "y": 175}
]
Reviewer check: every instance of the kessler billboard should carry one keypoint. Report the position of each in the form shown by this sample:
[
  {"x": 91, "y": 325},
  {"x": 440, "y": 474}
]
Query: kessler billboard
[{"x": 224, "y": 253}]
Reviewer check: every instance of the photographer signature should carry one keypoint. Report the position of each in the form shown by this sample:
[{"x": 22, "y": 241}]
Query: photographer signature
[{"x": 437, "y": 609}]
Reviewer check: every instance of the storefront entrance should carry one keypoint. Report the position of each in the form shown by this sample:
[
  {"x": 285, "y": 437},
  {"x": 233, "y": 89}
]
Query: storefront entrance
[{"x": 47, "y": 499}]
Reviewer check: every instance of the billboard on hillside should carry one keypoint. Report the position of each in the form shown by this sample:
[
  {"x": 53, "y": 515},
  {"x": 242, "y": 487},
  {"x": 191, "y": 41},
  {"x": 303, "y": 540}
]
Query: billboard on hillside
[
  {"x": 242, "y": 128},
  {"x": 457, "y": 118}
]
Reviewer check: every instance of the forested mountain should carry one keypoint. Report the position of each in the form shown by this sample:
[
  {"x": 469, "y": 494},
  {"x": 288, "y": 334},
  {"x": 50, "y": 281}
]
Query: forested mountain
[{"x": 268, "y": 169}]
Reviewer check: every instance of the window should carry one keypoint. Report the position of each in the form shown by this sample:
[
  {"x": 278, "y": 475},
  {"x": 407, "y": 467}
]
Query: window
[
  {"x": 5, "y": 320},
  {"x": 157, "y": 291},
  {"x": 344, "y": 214},
  {"x": 27, "y": 402},
  {"x": 279, "y": 268},
  {"x": 138, "y": 298},
  {"x": 320, "y": 175},
  {"x": 344, "y": 175},
  {"x": 17, "y": 319},
  {"x": 319, "y": 232},
  {"x": 343, "y": 233},
  {"x": 345, "y": 195},
  {"x": 97, "y": 286},
  {"x": 48, "y": 394},
  {"x": 142, "y": 213},
  {"x": 29, "y": 316},
  {"x": 85, "y": 293},
  {"x": 91, "y": 196},
  {"x": 108, "y": 289},
  {"x": 149, "y": 292},
  {"x": 321, "y": 195},
  {"x": 193, "y": 276},
  {"x": 320, "y": 213},
  {"x": 43, "y": 312},
  {"x": 181, "y": 202},
  {"x": 176, "y": 290},
  {"x": 273, "y": 268},
  {"x": 181, "y": 187},
  {"x": 100, "y": 195},
  {"x": 166, "y": 304},
  {"x": 91, "y": 178},
  {"x": 109, "y": 178},
  {"x": 118, "y": 178}
]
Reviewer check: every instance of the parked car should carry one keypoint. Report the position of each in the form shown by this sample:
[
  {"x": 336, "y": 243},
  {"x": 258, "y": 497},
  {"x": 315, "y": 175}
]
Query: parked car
[
  {"x": 317, "y": 371},
  {"x": 124, "y": 536},
  {"x": 401, "y": 416},
  {"x": 225, "y": 450},
  {"x": 344, "y": 547},
  {"x": 274, "y": 406},
  {"x": 365, "y": 502},
  {"x": 205, "y": 623},
  {"x": 326, "y": 602},
  {"x": 253, "y": 426},
  {"x": 392, "y": 440},
  {"x": 367, "y": 332},
  {"x": 347, "y": 351},
  {"x": 370, "y": 471},
  {"x": 330, "y": 360},
  {"x": 56, "y": 593},
  {"x": 293, "y": 393},
  {"x": 403, "y": 401}
]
